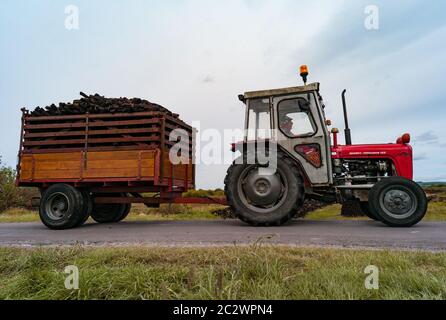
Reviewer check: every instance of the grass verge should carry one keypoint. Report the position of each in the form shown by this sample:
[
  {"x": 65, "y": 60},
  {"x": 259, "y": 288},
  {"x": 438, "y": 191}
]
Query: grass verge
[
  {"x": 256, "y": 272},
  {"x": 139, "y": 213},
  {"x": 436, "y": 212}
]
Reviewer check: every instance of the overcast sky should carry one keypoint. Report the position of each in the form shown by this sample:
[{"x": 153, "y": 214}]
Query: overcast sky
[{"x": 195, "y": 57}]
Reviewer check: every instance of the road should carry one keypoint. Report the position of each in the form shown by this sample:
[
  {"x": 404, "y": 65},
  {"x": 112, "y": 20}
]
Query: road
[{"x": 351, "y": 234}]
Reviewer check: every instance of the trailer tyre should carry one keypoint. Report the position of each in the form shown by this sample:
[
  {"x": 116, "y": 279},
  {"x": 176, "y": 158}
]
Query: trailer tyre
[
  {"x": 261, "y": 200},
  {"x": 88, "y": 206},
  {"x": 125, "y": 212},
  {"x": 110, "y": 212},
  {"x": 398, "y": 202},
  {"x": 61, "y": 207}
]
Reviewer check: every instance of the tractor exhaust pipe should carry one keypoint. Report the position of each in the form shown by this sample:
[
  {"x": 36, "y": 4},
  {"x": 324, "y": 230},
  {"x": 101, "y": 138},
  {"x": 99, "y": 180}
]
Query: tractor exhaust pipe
[{"x": 348, "y": 135}]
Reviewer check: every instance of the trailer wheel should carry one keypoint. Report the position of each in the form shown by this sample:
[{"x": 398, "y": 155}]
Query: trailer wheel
[
  {"x": 399, "y": 202},
  {"x": 365, "y": 207},
  {"x": 88, "y": 206},
  {"x": 61, "y": 207},
  {"x": 109, "y": 212},
  {"x": 264, "y": 200},
  {"x": 125, "y": 212}
]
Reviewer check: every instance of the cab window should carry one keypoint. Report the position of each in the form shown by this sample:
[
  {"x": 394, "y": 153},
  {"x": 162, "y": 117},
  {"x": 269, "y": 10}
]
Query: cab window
[
  {"x": 295, "y": 118},
  {"x": 259, "y": 119}
]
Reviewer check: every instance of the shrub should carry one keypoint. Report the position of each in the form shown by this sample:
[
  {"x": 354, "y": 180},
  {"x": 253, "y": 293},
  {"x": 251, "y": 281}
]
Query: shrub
[{"x": 10, "y": 195}]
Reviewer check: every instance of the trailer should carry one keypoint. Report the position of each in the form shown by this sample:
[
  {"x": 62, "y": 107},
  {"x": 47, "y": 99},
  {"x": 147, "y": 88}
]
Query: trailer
[{"x": 99, "y": 164}]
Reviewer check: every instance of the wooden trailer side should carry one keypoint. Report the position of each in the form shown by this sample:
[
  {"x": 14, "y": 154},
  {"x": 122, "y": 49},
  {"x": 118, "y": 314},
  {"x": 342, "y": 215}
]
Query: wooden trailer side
[
  {"x": 105, "y": 166},
  {"x": 91, "y": 165}
]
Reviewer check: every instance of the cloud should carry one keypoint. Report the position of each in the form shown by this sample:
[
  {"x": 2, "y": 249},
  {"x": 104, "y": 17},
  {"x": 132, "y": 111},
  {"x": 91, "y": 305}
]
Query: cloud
[
  {"x": 208, "y": 79},
  {"x": 420, "y": 157},
  {"x": 427, "y": 137}
]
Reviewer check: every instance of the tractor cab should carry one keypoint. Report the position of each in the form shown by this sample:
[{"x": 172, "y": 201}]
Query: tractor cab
[{"x": 294, "y": 119}]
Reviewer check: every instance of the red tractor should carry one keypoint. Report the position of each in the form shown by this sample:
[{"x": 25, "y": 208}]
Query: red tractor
[{"x": 289, "y": 125}]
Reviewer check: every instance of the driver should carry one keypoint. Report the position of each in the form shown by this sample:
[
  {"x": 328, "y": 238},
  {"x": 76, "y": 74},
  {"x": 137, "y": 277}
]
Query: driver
[{"x": 286, "y": 124}]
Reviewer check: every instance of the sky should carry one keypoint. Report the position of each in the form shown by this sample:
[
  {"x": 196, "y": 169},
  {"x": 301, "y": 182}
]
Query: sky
[{"x": 195, "y": 57}]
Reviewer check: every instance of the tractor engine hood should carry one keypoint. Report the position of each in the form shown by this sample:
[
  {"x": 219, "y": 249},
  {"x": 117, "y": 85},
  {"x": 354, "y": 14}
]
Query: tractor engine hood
[{"x": 400, "y": 154}]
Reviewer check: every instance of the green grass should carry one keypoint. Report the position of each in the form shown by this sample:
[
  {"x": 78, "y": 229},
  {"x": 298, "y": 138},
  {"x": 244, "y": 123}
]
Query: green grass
[
  {"x": 19, "y": 215},
  {"x": 436, "y": 211},
  {"x": 332, "y": 212},
  {"x": 139, "y": 213},
  {"x": 256, "y": 272},
  {"x": 174, "y": 212}
]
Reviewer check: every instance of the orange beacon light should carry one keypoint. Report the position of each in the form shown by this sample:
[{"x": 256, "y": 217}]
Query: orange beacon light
[{"x": 304, "y": 73}]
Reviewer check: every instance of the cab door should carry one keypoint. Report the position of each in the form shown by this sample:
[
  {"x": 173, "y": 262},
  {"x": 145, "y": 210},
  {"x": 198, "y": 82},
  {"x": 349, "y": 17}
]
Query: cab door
[{"x": 302, "y": 132}]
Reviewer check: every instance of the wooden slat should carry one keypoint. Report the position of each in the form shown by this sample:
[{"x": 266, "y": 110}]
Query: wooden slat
[
  {"x": 90, "y": 132},
  {"x": 173, "y": 127},
  {"x": 118, "y": 173},
  {"x": 122, "y": 123},
  {"x": 127, "y": 139},
  {"x": 54, "y": 134},
  {"x": 91, "y": 124},
  {"x": 71, "y": 165},
  {"x": 94, "y": 116},
  {"x": 52, "y": 165},
  {"x": 148, "y": 147},
  {"x": 97, "y": 140},
  {"x": 52, "y": 157},
  {"x": 104, "y": 155},
  {"x": 57, "y": 174},
  {"x": 53, "y": 142},
  {"x": 120, "y": 155},
  {"x": 149, "y": 163},
  {"x": 55, "y": 125}
]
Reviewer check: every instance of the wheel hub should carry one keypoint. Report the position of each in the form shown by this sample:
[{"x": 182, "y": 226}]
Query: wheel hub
[
  {"x": 398, "y": 203},
  {"x": 57, "y": 206},
  {"x": 262, "y": 190}
]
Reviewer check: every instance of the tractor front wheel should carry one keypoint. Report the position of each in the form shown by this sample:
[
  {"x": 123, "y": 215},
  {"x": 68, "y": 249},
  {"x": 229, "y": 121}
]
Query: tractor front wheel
[
  {"x": 398, "y": 202},
  {"x": 263, "y": 198}
]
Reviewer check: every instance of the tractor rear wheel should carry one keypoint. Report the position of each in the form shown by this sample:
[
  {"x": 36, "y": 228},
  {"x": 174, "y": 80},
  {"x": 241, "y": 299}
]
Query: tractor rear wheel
[
  {"x": 262, "y": 199},
  {"x": 110, "y": 212},
  {"x": 398, "y": 202}
]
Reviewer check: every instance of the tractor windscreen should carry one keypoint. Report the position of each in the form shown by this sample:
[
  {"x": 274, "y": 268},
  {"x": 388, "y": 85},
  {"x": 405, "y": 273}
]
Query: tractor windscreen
[{"x": 259, "y": 119}]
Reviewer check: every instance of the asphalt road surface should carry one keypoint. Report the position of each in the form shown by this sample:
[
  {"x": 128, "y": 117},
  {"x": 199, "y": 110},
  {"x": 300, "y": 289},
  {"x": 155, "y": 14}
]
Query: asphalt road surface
[{"x": 369, "y": 234}]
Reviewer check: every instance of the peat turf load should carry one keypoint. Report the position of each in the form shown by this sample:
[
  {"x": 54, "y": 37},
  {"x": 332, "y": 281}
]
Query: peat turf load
[
  {"x": 96, "y": 123},
  {"x": 97, "y": 104}
]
